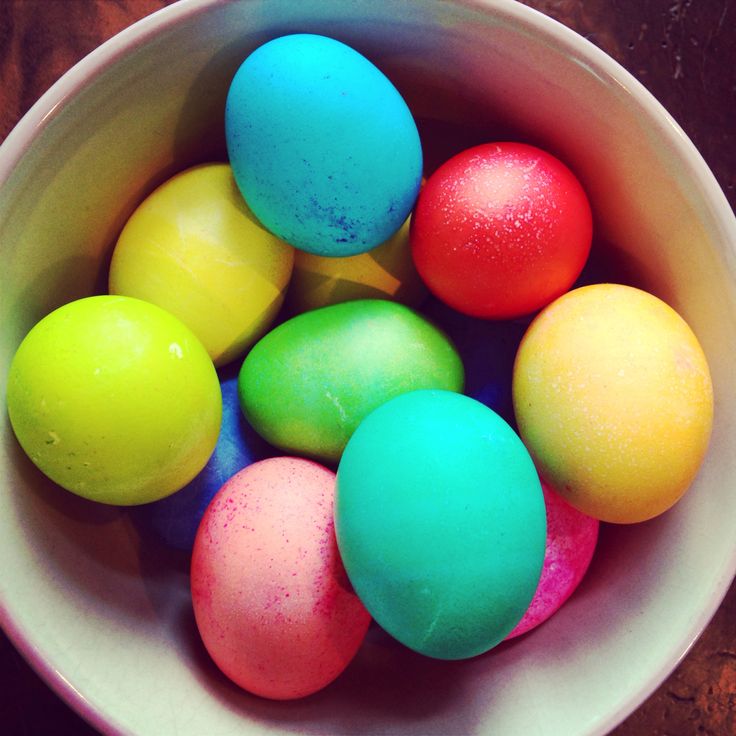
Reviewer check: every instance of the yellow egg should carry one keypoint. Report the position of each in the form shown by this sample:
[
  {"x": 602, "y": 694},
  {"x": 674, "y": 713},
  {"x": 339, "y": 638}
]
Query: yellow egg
[
  {"x": 386, "y": 272},
  {"x": 194, "y": 248},
  {"x": 613, "y": 398}
]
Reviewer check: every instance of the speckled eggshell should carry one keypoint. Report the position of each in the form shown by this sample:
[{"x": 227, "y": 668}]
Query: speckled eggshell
[
  {"x": 323, "y": 146},
  {"x": 571, "y": 542},
  {"x": 500, "y": 230},
  {"x": 174, "y": 519},
  {"x": 271, "y": 599},
  {"x": 614, "y": 400}
]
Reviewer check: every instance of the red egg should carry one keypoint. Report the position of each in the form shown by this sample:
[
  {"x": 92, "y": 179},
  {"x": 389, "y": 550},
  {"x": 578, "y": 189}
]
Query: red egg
[
  {"x": 501, "y": 230},
  {"x": 271, "y": 598}
]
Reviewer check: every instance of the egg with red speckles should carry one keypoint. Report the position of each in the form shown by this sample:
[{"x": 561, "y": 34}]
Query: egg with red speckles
[
  {"x": 271, "y": 599},
  {"x": 571, "y": 541},
  {"x": 500, "y": 230}
]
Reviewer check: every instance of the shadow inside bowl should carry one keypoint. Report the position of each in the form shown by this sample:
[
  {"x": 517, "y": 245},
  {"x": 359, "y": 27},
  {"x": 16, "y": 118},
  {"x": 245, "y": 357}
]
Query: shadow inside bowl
[{"x": 385, "y": 682}]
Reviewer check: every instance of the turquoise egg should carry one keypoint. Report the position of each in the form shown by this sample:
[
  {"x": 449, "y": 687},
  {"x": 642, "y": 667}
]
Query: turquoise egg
[
  {"x": 323, "y": 147},
  {"x": 440, "y": 522}
]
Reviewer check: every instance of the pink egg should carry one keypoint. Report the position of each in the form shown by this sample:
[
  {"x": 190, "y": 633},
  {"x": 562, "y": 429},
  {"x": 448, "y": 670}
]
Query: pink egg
[
  {"x": 271, "y": 598},
  {"x": 571, "y": 540}
]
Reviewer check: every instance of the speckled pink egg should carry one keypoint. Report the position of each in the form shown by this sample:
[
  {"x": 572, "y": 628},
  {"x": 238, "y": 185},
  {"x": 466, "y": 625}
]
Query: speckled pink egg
[
  {"x": 571, "y": 540},
  {"x": 271, "y": 598}
]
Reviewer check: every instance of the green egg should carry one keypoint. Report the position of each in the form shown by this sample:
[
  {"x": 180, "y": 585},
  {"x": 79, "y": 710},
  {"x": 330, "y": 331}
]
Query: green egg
[
  {"x": 440, "y": 522},
  {"x": 115, "y": 400},
  {"x": 309, "y": 382}
]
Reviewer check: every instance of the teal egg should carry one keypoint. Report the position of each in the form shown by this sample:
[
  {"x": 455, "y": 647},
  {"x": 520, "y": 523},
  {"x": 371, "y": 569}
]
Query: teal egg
[
  {"x": 323, "y": 147},
  {"x": 440, "y": 522},
  {"x": 308, "y": 383}
]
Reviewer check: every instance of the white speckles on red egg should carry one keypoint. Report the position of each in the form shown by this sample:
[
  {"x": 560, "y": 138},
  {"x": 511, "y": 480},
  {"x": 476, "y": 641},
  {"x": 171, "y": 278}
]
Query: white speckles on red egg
[
  {"x": 500, "y": 230},
  {"x": 271, "y": 599}
]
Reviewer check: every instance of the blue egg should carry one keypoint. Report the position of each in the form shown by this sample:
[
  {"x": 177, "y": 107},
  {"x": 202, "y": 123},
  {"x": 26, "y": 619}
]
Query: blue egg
[
  {"x": 175, "y": 518},
  {"x": 487, "y": 349},
  {"x": 323, "y": 147}
]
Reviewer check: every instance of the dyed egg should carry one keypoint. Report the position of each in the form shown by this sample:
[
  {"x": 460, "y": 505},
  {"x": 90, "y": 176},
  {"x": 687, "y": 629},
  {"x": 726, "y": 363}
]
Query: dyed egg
[
  {"x": 500, "y": 230},
  {"x": 323, "y": 146},
  {"x": 571, "y": 542},
  {"x": 440, "y": 522},
  {"x": 386, "y": 272},
  {"x": 175, "y": 519},
  {"x": 613, "y": 398},
  {"x": 194, "y": 248},
  {"x": 115, "y": 400},
  {"x": 271, "y": 600},
  {"x": 487, "y": 349},
  {"x": 309, "y": 382}
]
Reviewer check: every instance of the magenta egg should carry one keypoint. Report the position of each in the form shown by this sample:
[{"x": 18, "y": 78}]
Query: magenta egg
[
  {"x": 571, "y": 541},
  {"x": 272, "y": 602}
]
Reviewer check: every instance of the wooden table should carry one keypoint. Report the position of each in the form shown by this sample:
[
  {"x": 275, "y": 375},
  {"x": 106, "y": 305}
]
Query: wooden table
[{"x": 684, "y": 51}]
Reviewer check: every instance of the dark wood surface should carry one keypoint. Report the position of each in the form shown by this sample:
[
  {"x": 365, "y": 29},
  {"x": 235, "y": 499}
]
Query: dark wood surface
[{"x": 684, "y": 51}]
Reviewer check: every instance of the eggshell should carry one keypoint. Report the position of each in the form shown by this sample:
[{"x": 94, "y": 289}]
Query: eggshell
[
  {"x": 500, "y": 230},
  {"x": 309, "y": 382},
  {"x": 440, "y": 522},
  {"x": 174, "y": 519},
  {"x": 323, "y": 146},
  {"x": 194, "y": 248},
  {"x": 114, "y": 399},
  {"x": 571, "y": 542},
  {"x": 386, "y": 272},
  {"x": 613, "y": 398},
  {"x": 271, "y": 599}
]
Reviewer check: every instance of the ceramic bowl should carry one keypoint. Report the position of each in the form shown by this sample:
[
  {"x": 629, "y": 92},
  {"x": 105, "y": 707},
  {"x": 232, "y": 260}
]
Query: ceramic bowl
[{"x": 104, "y": 614}]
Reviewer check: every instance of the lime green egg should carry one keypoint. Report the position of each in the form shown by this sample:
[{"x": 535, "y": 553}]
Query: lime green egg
[
  {"x": 115, "y": 400},
  {"x": 307, "y": 384},
  {"x": 194, "y": 248}
]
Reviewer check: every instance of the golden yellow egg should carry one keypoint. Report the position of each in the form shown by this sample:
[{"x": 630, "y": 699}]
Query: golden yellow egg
[{"x": 613, "y": 398}]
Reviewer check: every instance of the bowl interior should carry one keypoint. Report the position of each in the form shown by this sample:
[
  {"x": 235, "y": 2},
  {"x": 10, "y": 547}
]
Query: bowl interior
[{"x": 104, "y": 613}]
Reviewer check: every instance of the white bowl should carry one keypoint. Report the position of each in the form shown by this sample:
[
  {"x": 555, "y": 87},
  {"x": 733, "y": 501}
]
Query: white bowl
[{"x": 104, "y": 615}]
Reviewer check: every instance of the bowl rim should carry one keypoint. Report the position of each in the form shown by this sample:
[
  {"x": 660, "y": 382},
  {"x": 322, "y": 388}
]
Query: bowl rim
[{"x": 48, "y": 106}]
